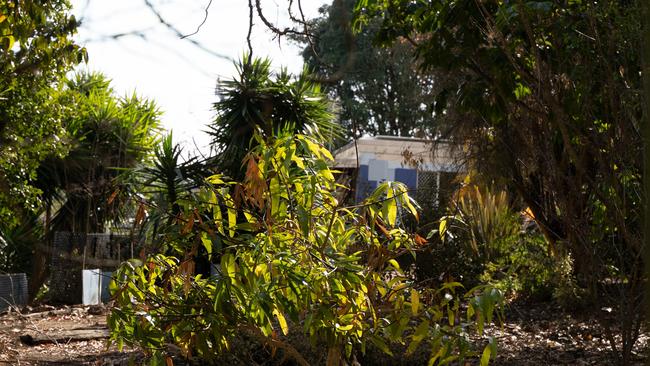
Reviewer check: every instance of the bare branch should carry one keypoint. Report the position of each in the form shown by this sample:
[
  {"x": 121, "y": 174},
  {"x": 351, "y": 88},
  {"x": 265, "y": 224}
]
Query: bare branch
[
  {"x": 171, "y": 27},
  {"x": 115, "y": 36},
  {"x": 277, "y": 31},
  {"x": 250, "y": 31},
  {"x": 205, "y": 18}
]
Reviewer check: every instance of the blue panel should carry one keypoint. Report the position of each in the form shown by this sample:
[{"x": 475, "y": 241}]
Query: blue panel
[
  {"x": 407, "y": 176},
  {"x": 363, "y": 172},
  {"x": 364, "y": 186}
]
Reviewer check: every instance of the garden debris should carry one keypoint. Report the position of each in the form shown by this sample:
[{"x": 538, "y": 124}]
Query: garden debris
[{"x": 64, "y": 336}]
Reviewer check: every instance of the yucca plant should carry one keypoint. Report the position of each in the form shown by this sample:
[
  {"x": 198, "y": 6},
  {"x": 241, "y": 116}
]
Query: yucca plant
[
  {"x": 168, "y": 183},
  {"x": 107, "y": 137},
  {"x": 258, "y": 99}
]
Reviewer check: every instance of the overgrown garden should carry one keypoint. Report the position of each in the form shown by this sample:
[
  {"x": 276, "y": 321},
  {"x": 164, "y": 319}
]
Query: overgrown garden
[{"x": 261, "y": 241}]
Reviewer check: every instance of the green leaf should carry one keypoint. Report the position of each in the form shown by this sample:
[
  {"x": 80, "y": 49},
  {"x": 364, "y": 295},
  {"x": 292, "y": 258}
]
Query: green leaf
[
  {"x": 419, "y": 335},
  {"x": 381, "y": 344},
  {"x": 485, "y": 357},
  {"x": 228, "y": 265}
]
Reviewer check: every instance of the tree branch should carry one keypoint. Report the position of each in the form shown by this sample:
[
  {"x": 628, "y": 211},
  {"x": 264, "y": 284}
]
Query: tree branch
[
  {"x": 171, "y": 27},
  {"x": 205, "y": 18}
]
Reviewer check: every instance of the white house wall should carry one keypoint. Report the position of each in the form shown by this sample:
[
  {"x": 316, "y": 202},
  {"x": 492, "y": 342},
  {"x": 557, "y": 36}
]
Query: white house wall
[{"x": 382, "y": 159}]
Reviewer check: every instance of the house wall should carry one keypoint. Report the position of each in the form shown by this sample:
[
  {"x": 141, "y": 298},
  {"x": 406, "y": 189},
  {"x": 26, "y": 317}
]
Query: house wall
[
  {"x": 384, "y": 159},
  {"x": 391, "y": 150}
]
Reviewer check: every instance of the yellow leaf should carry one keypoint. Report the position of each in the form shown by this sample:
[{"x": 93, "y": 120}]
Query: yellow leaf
[
  {"x": 327, "y": 154},
  {"x": 415, "y": 301},
  {"x": 343, "y": 327},
  {"x": 207, "y": 243},
  {"x": 232, "y": 221},
  {"x": 260, "y": 269},
  {"x": 215, "y": 179},
  {"x": 8, "y": 42},
  {"x": 218, "y": 219},
  {"x": 2, "y": 17},
  {"x": 298, "y": 161},
  {"x": 313, "y": 148},
  {"x": 394, "y": 263},
  {"x": 282, "y": 321},
  {"x": 412, "y": 208},
  {"x": 443, "y": 228}
]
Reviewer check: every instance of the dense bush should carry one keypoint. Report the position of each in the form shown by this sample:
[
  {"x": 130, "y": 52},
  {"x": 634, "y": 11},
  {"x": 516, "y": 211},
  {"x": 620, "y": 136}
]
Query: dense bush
[
  {"x": 288, "y": 252},
  {"x": 498, "y": 245}
]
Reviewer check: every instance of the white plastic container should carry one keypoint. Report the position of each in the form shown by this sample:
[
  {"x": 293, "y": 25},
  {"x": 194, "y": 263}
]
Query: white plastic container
[{"x": 91, "y": 281}]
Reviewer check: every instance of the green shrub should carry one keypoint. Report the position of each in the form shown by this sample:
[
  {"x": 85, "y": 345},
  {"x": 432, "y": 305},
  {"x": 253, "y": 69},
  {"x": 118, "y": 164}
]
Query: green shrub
[
  {"x": 289, "y": 252},
  {"x": 492, "y": 246}
]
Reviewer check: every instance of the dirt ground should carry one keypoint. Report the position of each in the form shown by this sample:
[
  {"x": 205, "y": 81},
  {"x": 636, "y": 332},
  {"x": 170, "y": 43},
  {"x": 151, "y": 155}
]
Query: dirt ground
[
  {"x": 48, "y": 323},
  {"x": 532, "y": 334}
]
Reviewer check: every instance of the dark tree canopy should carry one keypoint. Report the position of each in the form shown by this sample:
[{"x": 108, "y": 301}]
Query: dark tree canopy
[
  {"x": 549, "y": 99},
  {"x": 380, "y": 91},
  {"x": 36, "y": 50}
]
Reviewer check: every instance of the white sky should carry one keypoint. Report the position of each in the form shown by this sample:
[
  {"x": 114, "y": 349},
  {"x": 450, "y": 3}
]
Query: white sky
[{"x": 180, "y": 77}]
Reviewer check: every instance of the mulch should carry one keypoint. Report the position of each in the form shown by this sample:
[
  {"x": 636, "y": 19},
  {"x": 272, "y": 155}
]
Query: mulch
[{"x": 532, "y": 334}]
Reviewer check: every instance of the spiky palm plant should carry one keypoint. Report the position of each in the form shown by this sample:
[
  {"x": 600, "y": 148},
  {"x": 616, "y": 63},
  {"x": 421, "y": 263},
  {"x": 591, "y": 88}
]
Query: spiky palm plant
[
  {"x": 259, "y": 100},
  {"x": 107, "y": 137},
  {"x": 168, "y": 182}
]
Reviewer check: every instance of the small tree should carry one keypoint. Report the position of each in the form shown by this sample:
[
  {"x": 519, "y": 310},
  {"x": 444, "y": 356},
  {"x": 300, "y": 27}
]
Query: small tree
[
  {"x": 107, "y": 137},
  {"x": 36, "y": 51}
]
